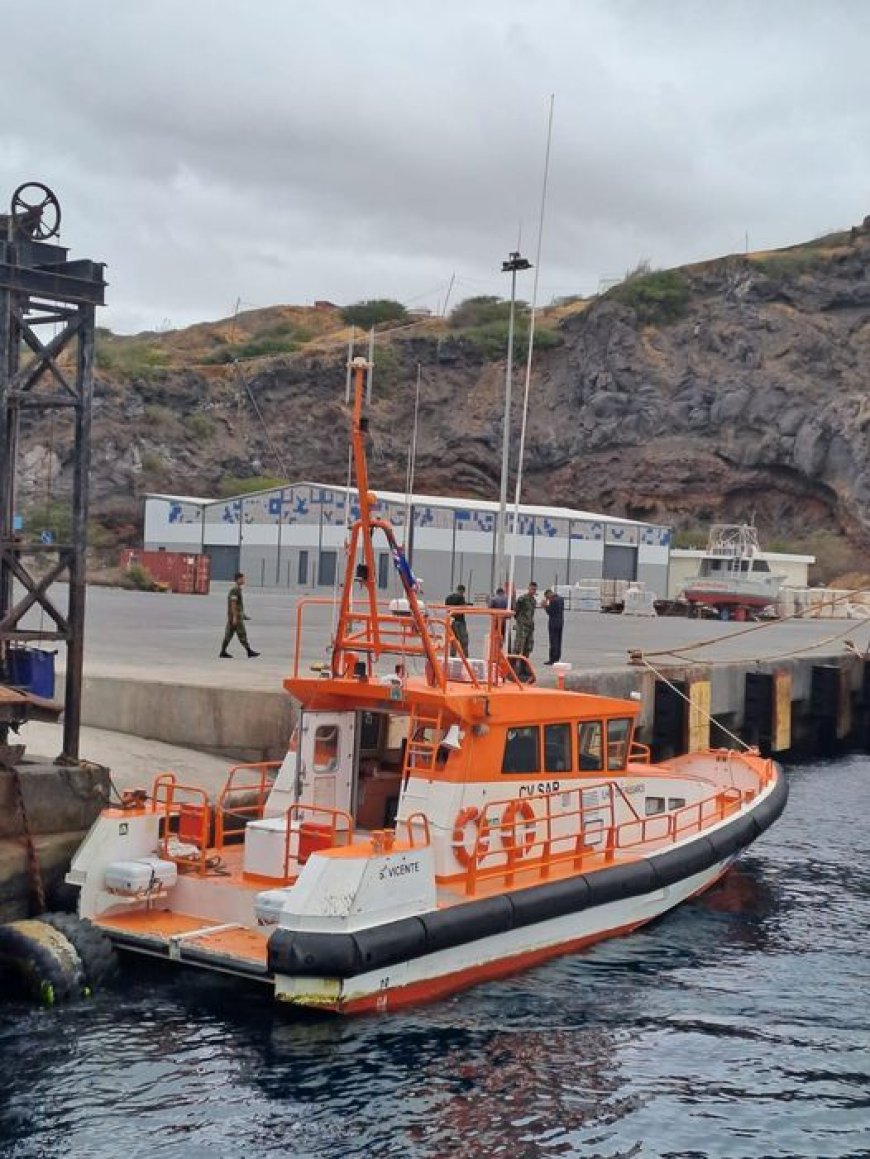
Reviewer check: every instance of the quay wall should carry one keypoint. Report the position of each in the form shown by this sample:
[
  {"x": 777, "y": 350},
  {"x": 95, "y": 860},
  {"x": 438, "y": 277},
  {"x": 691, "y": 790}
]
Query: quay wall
[{"x": 246, "y": 725}]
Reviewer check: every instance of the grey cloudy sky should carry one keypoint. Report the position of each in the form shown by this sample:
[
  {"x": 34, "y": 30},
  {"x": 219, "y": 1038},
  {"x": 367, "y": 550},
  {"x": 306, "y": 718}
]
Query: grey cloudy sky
[{"x": 287, "y": 150}]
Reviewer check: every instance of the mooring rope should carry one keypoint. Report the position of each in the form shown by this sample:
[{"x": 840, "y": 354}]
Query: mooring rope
[
  {"x": 805, "y": 614},
  {"x": 695, "y": 707}
]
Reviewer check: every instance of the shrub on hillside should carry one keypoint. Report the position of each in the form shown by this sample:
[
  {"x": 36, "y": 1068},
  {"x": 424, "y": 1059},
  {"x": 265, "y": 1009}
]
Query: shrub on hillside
[
  {"x": 484, "y": 310},
  {"x": 657, "y": 297},
  {"x": 127, "y": 356},
  {"x": 235, "y": 485},
  {"x": 491, "y": 340},
  {"x": 201, "y": 426},
  {"x": 374, "y": 311}
]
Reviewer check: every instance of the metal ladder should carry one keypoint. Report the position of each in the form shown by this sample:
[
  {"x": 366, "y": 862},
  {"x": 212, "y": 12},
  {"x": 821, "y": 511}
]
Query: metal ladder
[{"x": 421, "y": 755}]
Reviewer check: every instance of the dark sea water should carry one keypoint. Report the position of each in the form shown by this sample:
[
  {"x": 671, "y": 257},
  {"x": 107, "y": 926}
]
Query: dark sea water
[{"x": 738, "y": 1026}]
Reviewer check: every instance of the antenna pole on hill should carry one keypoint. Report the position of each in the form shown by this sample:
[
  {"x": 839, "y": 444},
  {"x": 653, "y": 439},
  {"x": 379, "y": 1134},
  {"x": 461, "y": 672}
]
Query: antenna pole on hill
[
  {"x": 514, "y": 263},
  {"x": 412, "y": 463},
  {"x": 526, "y": 392}
]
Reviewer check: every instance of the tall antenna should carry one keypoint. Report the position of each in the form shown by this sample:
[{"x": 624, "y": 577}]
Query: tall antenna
[
  {"x": 347, "y": 380},
  {"x": 447, "y": 295},
  {"x": 243, "y": 382},
  {"x": 412, "y": 463},
  {"x": 518, "y": 491},
  {"x": 371, "y": 373}
]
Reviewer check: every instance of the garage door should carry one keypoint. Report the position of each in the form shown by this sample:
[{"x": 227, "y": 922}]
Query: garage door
[{"x": 620, "y": 562}]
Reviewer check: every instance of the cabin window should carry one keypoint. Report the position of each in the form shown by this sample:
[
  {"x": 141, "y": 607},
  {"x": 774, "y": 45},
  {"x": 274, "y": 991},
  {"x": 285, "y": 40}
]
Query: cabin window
[
  {"x": 589, "y": 743},
  {"x": 326, "y": 748},
  {"x": 521, "y": 750},
  {"x": 676, "y": 803},
  {"x": 557, "y": 748},
  {"x": 618, "y": 734},
  {"x": 653, "y": 805}
]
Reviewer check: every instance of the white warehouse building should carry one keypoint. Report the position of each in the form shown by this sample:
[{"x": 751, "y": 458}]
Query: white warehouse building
[{"x": 292, "y": 537}]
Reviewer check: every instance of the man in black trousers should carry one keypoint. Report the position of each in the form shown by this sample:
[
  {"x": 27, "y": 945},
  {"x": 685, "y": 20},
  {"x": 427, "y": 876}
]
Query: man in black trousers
[{"x": 554, "y": 606}]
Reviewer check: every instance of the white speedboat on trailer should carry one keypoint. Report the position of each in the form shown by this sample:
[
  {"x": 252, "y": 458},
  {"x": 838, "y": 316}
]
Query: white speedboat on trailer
[{"x": 435, "y": 823}]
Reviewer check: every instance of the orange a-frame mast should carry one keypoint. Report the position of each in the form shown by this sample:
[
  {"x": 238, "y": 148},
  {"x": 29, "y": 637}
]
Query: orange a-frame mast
[{"x": 349, "y": 643}]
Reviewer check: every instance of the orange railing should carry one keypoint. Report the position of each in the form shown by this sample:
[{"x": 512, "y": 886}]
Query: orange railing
[
  {"x": 416, "y": 821},
  {"x": 317, "y": 827},
  {"x": 583, "y": 830},
  {"x": 391, "y": 633},
  {"x": 677, "y": 823},
  {"x": 187, "y": 806},
  {"x": 254, "y": 779}
]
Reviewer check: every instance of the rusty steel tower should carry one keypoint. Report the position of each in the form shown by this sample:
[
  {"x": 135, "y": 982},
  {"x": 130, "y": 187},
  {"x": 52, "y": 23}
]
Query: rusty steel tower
[{"x": 47, "y": 334}]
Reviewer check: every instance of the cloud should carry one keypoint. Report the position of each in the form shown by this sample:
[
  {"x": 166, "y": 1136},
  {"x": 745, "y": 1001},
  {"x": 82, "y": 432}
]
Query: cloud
[{"x": 286, "y": 151}]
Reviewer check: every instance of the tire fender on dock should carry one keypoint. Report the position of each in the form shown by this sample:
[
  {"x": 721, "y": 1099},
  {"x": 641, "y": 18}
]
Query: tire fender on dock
[
  {"x": 56, "y": 957},
  {"x": 42, "y": 960},
  {"x": 95, "y": 950}
]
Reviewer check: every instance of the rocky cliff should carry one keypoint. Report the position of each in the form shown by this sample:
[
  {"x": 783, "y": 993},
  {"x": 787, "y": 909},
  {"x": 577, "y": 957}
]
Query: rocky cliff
[{"x": 734, "y": 387}]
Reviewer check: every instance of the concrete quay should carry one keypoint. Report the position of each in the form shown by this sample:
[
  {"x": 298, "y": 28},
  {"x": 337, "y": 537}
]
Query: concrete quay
[{"x": 152, "y": 668}]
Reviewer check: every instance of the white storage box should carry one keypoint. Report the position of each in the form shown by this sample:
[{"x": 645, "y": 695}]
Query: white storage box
[
  {"x": 456, "y": 669},
  {"x": 139, "y": 878},
  {"x": 266, "y": 846},
  {"x": 268, "y": 905}
]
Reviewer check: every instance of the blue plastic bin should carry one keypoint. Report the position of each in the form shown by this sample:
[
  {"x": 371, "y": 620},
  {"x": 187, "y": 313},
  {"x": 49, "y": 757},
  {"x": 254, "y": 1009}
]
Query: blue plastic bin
[{"x": 32, "y": 670}]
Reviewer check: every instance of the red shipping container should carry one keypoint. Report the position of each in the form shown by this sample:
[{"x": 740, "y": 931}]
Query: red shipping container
[
  {"x": 202, "y": 575},
  {"x": 180, "y": 571}
]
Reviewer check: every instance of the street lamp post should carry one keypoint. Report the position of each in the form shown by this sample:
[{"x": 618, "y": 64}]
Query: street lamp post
[{"x": 514, "y": 263}]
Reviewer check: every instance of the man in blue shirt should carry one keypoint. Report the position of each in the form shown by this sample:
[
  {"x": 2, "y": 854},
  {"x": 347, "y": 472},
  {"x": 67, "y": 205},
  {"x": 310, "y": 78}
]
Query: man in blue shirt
[{"x": 554, "y": 606}]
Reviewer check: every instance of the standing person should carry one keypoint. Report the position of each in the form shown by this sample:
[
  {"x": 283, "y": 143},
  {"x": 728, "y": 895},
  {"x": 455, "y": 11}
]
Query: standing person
[
  {"x": 500, "y": 601},
  {"x": 236, "y": 619},
  {"x": 554, "y": 606},
  {"x": 524, "y": 621},
  {"x": 460, "y": 628}
]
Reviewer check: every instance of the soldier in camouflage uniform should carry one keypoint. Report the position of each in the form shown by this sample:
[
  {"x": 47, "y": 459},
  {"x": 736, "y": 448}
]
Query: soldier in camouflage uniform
[
  {"x": 236, "y": 619},
  {"x": 460, "y": 628},
  {"x": 524, "y": 621}
]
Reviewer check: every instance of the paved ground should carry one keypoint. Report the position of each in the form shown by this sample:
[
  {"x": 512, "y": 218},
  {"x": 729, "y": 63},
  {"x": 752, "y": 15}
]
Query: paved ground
[
  {"x": 177, "y": 638},
  {"x": 134, "y": 761}
]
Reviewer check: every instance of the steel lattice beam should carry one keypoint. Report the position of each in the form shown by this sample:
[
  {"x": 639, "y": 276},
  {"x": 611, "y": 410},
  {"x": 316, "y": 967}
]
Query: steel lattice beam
[{"x": 40, "y": 287}]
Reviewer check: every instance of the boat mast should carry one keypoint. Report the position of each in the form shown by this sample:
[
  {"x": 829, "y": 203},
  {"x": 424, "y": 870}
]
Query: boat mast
[{"x": 349, "y": 642}]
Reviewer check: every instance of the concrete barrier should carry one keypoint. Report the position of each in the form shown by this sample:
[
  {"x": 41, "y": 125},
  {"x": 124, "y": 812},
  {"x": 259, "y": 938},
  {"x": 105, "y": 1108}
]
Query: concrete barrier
[
  {"x": 253, "y": 725},
  {"x": 242, "y": 724}
]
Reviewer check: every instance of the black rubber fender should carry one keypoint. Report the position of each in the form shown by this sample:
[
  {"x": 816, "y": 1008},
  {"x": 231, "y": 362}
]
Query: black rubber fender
[
  {"x": 733, "y": 837},
  {"x": 311, "y": 954},
  {"x": 769, "y": 810},
  {"x": 94, "y": 948},
  {"x": 42, "y": 960},
  {"x": 684, "y": 861},
  {"x": 621, "y": 881},
  {"x": 468, "y": 922},
  {"x": 538, "y": 903},
  {"x": 386, "y": 945}
]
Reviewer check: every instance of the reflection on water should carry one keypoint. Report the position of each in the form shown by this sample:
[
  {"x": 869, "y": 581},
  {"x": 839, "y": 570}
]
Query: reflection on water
[{"x": 735, "y": 1027}]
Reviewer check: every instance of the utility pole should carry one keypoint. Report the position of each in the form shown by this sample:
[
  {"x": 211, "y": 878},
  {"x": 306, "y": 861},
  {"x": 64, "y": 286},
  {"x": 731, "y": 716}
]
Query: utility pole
[{"x": 514, "y": 263}]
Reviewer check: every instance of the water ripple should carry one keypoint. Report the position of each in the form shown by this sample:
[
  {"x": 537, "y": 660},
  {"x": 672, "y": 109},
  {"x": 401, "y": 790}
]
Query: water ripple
[{"x": 735, "y": 1028}]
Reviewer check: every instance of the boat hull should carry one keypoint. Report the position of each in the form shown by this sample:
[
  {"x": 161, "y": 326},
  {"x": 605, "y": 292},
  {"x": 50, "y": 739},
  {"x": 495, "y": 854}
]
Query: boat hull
[
  {"x": 433, "y": 954},
  {"x": 437, "y": 975},
  {"x": 731, "y": 598}
]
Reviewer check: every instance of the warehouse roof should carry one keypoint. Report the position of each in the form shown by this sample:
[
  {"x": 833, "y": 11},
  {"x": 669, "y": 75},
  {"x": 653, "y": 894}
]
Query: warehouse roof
[{"x": 417, "y": 499}]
